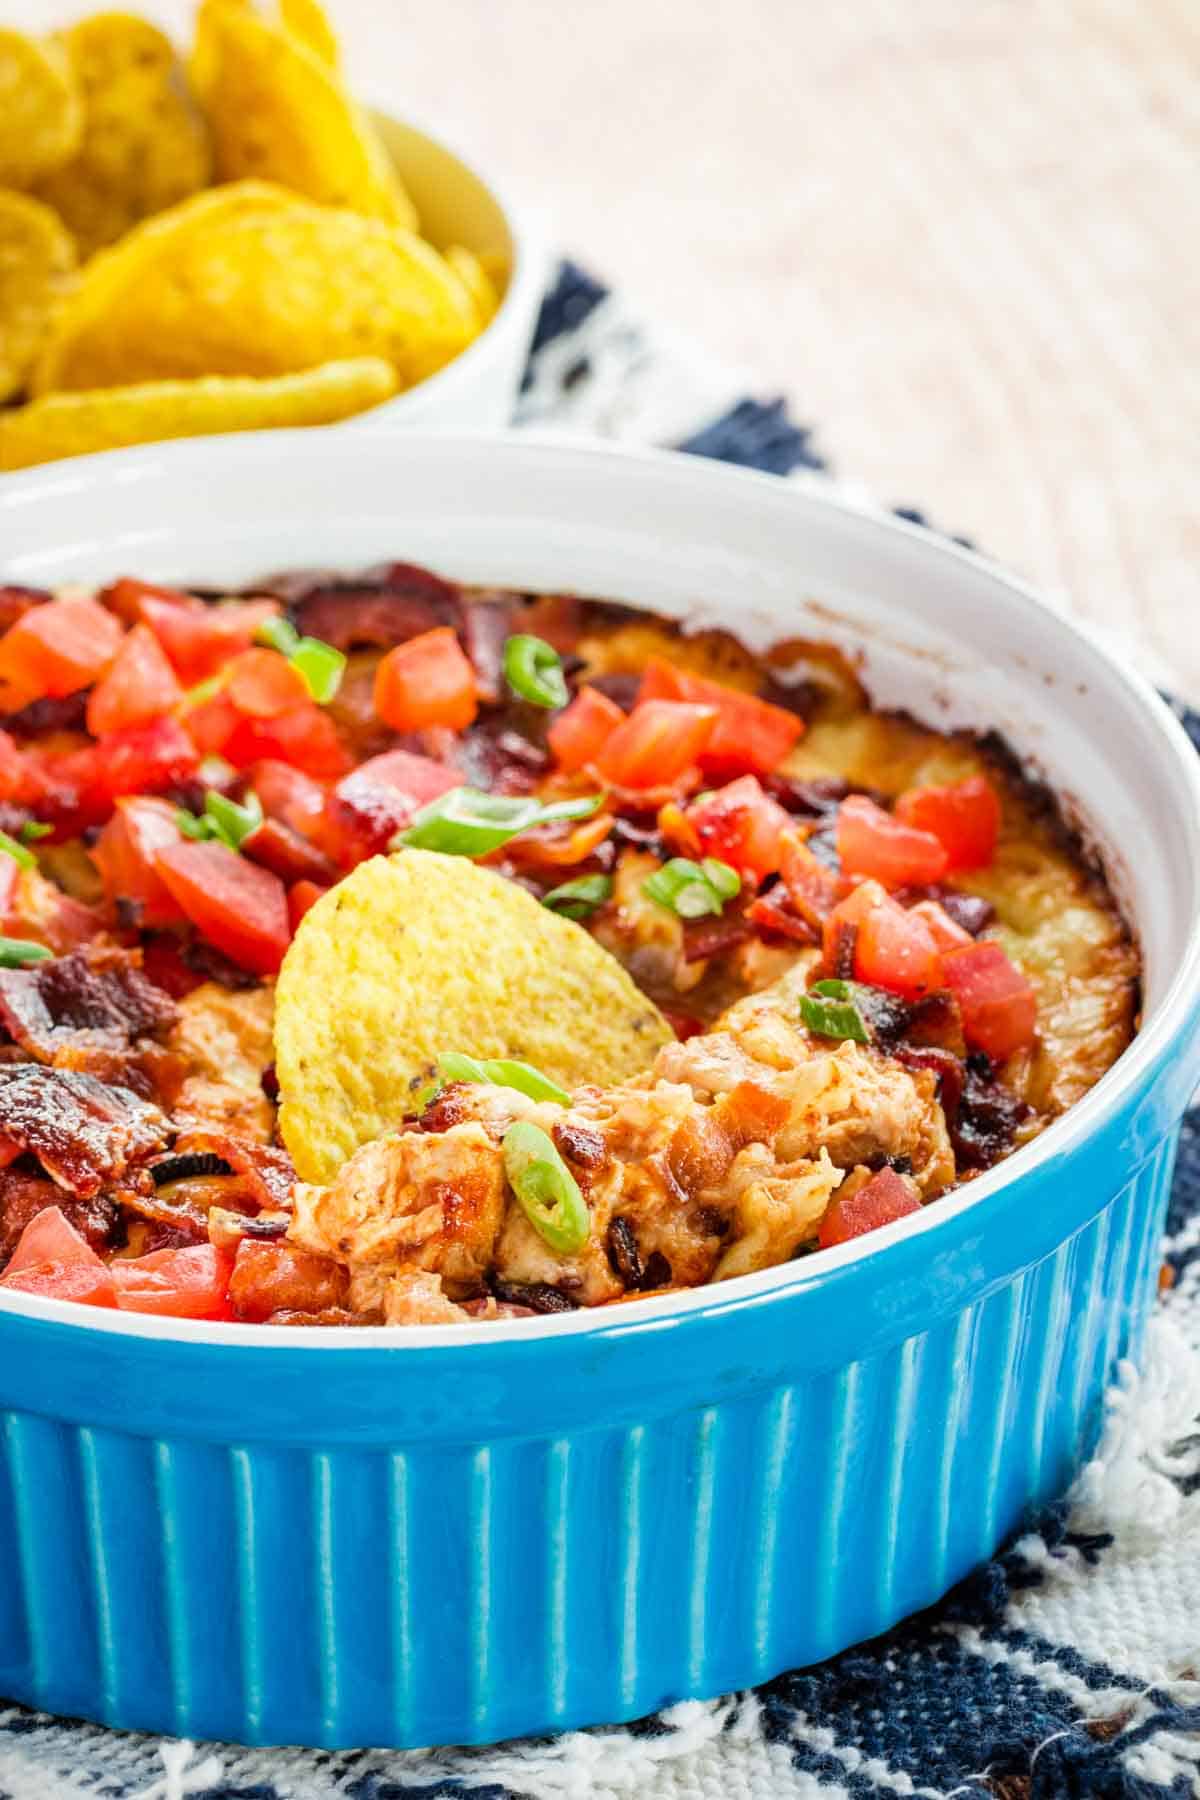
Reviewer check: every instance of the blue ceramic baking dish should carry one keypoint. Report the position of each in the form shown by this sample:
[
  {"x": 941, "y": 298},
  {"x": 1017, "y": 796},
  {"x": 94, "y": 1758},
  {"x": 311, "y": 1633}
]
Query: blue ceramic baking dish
[{"x": 459, "y": 1534}]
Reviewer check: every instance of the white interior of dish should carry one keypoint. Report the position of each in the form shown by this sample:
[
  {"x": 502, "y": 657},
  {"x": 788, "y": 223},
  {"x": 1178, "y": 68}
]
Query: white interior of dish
[{"x": 940, "y": 631}]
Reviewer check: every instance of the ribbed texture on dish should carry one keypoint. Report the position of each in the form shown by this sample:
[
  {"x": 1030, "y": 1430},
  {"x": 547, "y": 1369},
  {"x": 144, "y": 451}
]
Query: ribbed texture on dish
[{"x": 436, "y": 1593}]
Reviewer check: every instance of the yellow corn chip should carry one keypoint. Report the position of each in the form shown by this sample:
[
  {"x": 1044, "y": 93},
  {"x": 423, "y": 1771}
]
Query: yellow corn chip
[
  {"x": 37, "y": 262},
  {"x": 111, "y": 418},
  {"x": 308, "y": 20},
  {"x": 41, "y": 117},
  {"x": 466, "y": 264},
  {"x": 416, "y": 954}
]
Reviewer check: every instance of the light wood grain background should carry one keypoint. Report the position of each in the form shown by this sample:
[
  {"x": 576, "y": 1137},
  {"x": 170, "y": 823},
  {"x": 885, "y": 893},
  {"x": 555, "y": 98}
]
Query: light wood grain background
[{"x": 962, "y": 235}]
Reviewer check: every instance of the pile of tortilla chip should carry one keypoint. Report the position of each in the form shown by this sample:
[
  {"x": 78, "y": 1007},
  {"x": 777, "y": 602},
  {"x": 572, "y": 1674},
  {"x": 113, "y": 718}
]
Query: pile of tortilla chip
[{"x": 216, "y": 246}]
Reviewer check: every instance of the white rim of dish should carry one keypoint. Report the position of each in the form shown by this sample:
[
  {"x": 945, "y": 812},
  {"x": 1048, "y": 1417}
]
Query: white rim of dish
[{"x": 1059, "y": 1139}]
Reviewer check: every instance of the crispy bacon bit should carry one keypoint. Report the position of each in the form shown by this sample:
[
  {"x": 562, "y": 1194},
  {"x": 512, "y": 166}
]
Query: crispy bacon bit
[
  {"x": 269, "y": 1174},
  {"x": 491, "y": 754},
  {"x": 24, "y": 1196},
  {"x": 986, "y": 1118},
  {"x": 16, "y": 601},
  {"x": 92, "y": 1010},
  {"x": 330, "y": 1315},
  {"x": 535, "y": 1296},
  {"x": 581, "y": 1146},
  {"x": 487, "y": 625},
  {"x": 85, "y": 1133},
  {"x": 210, "y": 964},
  {"x": 703, "y": 938},
  {"x": 40, "y": 717},
  {"x": 272, "y": 1278},
  {"x": 971, "y": 911},
  {"x": 278, "y": 848},
  {"x": 812, "y": 799},
  {"x": 383, "y": 608},
  {"x": 774, "y": 915},
  {"x": 657, "y": 1273},
  {"x": 621, "y": 687},
  {"x": 948, "y": 1068}
]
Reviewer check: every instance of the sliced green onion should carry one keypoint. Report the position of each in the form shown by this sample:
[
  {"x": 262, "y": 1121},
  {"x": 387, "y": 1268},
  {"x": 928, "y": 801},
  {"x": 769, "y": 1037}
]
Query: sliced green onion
[
  {"x": 692, "y": 890},
  {"x": 32, "y": 830},
  {"x": 579, "y": 899},
  {"x": 278, "y": 634},
  {"x": 546, "y": 1190},
  {"x": 190, "y": 825},
  {"x": 534, "y": 672},
  {"x": 497, "y": 1072},
  {"x": 828, "y": 1010},
  {"x": 453, "y": 1066},
  {"x": 469, "y": 822},
  {"x": 11, "y": 846},
  {"x": 321, "y": 666},
  {"x": 230, "y": 822},
  {"x": 203, "y": 690},
  {"x": 14, "y": 952}
]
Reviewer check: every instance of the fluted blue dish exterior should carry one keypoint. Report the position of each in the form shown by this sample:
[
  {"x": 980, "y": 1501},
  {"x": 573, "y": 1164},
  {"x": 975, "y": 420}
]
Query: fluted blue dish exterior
[{"x": 376, "y": 1546}]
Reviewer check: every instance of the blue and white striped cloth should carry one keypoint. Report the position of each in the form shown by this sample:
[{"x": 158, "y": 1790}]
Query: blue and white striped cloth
[{"x": 1069, "y": 1667}]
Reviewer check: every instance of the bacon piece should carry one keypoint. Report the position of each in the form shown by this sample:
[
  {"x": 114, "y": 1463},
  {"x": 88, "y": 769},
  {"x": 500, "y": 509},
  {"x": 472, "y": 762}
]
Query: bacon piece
[
  {"x": 703, "y": 938},
  {"x": 491, "y": 754},
  {"x": 24, "y": 1196},
  {"x": 269, "y": 1174},
  {"x": 93, "y": 1010},
  {"x": 487, "y": 626},
  {"x": 278, "y": 848},
  {"x": 383, "y": 607},
  {"x": 85, "y": 1133},
  {"x": 274, "y": 1278}
]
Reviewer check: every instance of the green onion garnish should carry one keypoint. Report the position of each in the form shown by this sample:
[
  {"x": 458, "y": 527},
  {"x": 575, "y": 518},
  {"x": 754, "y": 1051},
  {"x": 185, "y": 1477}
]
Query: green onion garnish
[
  {"x": 693, "y": 889},
  {"x": 32, "y": 830},
  {"x": 203, "y": 690},
  {"x": 12, "y": 847},
  {"x": 321, "y": 666},
  {"x": 468, "y": 822},
  {"x": 497, "y": 1072},
  {"x": 578, "y": 899},
  {"x": 279, "y": 634},
  {"x": 546, "y": 1190},
  {"x": 14, "y": 952},
  {"x": 534, "y": 672},
  {"x": 828, "y": 1010},
  {"x": 230, "y": 822},
  {"x": 190, "y": 825}
]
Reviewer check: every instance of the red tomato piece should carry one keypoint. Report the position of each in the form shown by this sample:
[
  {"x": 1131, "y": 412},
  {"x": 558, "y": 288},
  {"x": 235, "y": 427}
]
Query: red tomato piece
[
  {"x": 658, "y": 742},
  {"x": 813, "y": 889},
  {"x": 893, "y": 949},
  {"x": 124, "y": 597},
  {"x": 211, "y": 724},
  {"x": 270, "y": 1278},
  {"x": 21, "y": 781},
  {"x": 741, "y": 826},
  {"x": 751, "y": 735},
  {"x": 579, "y": 732},
  {"x": 237, "y": 906},
  {"x": 58, "y": 648},
  {"x": 175, "y": 1284},
  {"x": 144, "y": 759},
  {"x": 292, "y": 857},
  {"x": 880, "y": 1201},
  {"x": 126, "y": 850},
  {"x": 52, "y": 1259},
  {"x": 964, "y": 817},
  {"x": 381, "y": 796},
  {"x": 998, "y": 1006},
  {"x": 139, "y": 685},
  {"x": 306, "y": 737},
  {"x": 427, "y": 681},
  {"x": 292, "y": 797},
  {"x": 301, "y": 896},
  {"x": 874, "y": 843},
  {"x": 199, "y": 639},
  {"x": 947, "y": 933},
  {"x": 263, "y": 684},
  {"x": 10, "y": 871}
]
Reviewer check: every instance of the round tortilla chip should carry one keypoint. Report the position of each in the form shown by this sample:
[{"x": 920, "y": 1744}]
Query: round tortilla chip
[
  {"x": 37, "y": 264},
  {"x": 308, "y": 20},
  {"x": 239, "y": 288},
  {"x": 416, "y": 954},
  {"x": 278, "y": 112},
  {"x": 144, "y": 145},
  {"x": 41, "y": 115},
  {"x": 476, "y": 280},
  {"x": 112, "y": 418}
]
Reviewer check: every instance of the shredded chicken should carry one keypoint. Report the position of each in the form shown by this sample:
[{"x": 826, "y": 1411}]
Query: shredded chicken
[
  {"x": 224, "y": 1039},
  {"x": 720, "y": 1160}
]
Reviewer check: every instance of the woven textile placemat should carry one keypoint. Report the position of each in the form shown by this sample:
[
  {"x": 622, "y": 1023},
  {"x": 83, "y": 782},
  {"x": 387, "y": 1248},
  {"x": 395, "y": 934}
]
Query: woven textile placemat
[{"x": 1069, "y": 1666}]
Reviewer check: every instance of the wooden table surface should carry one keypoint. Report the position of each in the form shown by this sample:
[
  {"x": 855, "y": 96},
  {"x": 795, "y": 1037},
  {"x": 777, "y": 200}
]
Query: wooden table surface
[{"x": 965, "y": 240}]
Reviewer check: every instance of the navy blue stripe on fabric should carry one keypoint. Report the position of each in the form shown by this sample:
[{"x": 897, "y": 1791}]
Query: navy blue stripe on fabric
[
  {"x": 566, "y": 305},
  {"x": 756, "y": 434}
]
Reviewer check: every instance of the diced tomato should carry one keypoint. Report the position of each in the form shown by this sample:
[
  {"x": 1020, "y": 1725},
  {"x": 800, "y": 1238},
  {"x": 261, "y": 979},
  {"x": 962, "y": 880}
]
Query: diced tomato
[
  {"x": 741, "y": 826},
  {"x": 140, "y": 684},
  {"x": 292, "y": 857},
  {"x": 237, "y": 906},
  {"x": 142, "y": 759},
  {"x": 306, "y": 737},
  {"x": 10, "y": 871},
  {"x": 658, "y": 742},
  {"x": 277, "y": 1277},
  {"x": 126, "y": 850},
  {"x": 262, "y": 684},
  {"x": 964, "y": 817},
  {"x": 880, "y": 1201},
  {"x": 947, "y": 933},
  {"x": 580, "y": 731},
  {"x": 301, "y": 896},
  {"x": 58, "y": 648},
  {"x": 813, "y": 888},
  {"x": 381, "y": 797},
  {"x": 893, "y": 948},
  {"x": 21, "y": 781},
  {"x": 124, "y": 597},
  {"x": 998, "y": 1006},
  {"x": 292, "y": 797},
  {"x": 427, "y": 681},
  {"x": 52, "y": 1259},
  {"x": 751, "y": 735},
  {"x": 211, "y": 723},
  {"x": 874, "y": 843},
  {"x": 176, "y": 1284},
  {"x": 199, "y": 639}
]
